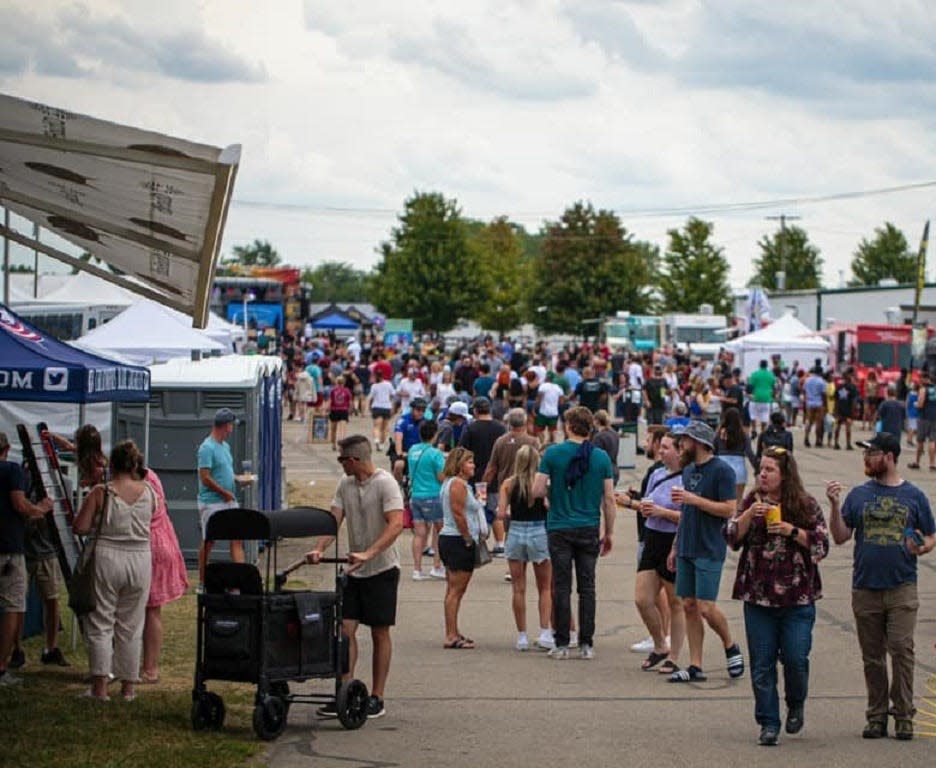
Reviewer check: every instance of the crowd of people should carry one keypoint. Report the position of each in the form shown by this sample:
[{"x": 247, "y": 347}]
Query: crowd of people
[
  {"x": 500, "y": 450},
  {"x": 488, "y": 453}
]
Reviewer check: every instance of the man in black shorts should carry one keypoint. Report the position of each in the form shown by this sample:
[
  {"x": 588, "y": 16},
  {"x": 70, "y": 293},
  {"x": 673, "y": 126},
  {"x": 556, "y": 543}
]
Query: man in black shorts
[{"x": 371, "y": 502}]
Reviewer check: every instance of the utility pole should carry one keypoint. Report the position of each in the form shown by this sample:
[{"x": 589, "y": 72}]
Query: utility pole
[{"x": 782, "y": 218}]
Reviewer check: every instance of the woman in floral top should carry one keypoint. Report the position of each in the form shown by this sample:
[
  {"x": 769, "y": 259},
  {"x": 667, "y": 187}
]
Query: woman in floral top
[{"x": 778, "y": 580}]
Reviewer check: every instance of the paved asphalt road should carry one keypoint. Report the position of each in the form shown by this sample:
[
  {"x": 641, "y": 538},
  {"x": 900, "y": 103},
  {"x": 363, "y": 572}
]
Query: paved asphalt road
[{"x": 495, "y": 706}]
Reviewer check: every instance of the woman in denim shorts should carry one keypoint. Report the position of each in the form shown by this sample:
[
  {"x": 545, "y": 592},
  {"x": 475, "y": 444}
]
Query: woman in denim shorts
[
  {"x": 527, "y": 543},
  {"x": 425, "y": 464}
]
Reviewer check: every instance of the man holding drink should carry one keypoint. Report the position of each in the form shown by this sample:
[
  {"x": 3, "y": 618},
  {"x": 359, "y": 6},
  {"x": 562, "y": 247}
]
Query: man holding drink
[{"x": 708, "y": 498}]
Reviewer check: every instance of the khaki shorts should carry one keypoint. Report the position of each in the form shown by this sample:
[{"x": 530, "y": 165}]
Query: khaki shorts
[
  {"x": 13, "y": 583},
  {"x": 45, "y": 572}
]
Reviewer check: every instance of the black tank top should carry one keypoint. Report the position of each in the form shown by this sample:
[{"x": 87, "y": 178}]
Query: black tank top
[{"x": 522, "y": 512}]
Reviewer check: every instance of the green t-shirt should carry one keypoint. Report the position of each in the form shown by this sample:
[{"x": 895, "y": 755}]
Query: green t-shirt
[
  {"x": 762, "y": 383},
  {"x": 580, "y": 507}
]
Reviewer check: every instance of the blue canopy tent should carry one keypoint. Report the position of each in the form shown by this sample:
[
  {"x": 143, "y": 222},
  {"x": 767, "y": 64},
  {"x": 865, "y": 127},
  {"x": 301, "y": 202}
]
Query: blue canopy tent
[
  {"x": 36, "y": 367},
  {"x": 335, "y": 321}
]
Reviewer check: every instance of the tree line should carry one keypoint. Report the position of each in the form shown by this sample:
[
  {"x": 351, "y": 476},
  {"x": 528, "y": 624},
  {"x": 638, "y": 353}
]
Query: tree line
[{"x": 439, "y": 266}]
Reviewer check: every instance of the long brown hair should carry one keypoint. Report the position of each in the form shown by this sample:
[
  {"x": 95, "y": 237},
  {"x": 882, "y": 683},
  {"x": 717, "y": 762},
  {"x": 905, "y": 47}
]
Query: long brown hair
[{"x": 795, "y": 503}]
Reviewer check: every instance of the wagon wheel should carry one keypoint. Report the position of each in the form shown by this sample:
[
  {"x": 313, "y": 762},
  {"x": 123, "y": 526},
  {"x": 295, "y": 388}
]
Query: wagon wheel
[
  {"x": 208, "y": 712},
  {"x": 351, "y": 703},
  {"x": 280, "y": 689},
  {"x": 269, "y": 717}
]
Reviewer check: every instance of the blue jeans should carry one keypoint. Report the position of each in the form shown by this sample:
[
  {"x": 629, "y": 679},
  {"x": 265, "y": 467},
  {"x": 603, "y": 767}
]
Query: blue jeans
[
  {"x": 778, "y": 634},
  {"x": 578, "y": 547}
]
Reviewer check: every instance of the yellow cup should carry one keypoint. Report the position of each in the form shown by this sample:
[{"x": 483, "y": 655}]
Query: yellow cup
[{"x": 773, "y": 515}]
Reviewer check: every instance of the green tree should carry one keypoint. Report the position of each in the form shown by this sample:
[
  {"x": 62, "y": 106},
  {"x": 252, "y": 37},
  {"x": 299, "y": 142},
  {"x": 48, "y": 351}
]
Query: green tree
[
  {"x": 887, "y": 255},
  {"x": 335, "y": 281},
  {"x": 789, "y": 251},
  {"x": 694, "y": 271},
  {"x": 589, "y": 266},
  {"x": 427, "y": 271},
  {"x": 259, "y": 253},
  {"x": 504, "y": 274}
]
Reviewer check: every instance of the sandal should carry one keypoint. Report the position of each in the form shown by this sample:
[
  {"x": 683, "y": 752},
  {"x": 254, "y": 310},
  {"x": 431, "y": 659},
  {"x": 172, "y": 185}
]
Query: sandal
[
  {"x": 692, "y": 675},
  {"x": 149, "y": 679},
  {"x": 668, "y": 667},
  {"x": 460, "y": 644},
  {"x": 652, "y": 660}
]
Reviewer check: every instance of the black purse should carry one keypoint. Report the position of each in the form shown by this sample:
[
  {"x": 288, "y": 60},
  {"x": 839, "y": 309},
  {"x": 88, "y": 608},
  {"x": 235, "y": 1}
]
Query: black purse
[{"x": 81, "y": 596}]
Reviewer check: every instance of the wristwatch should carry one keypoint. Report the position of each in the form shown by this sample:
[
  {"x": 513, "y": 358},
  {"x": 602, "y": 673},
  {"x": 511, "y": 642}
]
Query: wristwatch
[{"x": 794, "y": 532}]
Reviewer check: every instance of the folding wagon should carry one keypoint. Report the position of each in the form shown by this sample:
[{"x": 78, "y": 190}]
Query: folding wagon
[{"x": 252, "y": 630}]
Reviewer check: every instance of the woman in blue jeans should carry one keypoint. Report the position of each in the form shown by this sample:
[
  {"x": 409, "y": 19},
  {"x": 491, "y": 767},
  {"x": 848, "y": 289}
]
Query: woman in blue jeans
[{"x": 778, "y": 580}]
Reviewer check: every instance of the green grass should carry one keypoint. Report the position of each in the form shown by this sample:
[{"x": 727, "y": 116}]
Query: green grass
[{"x": 45, "y": 723}]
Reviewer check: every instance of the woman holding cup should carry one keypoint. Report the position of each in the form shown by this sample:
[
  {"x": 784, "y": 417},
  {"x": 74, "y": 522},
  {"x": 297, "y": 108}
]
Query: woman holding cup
[{"x": 782, "y": 536}]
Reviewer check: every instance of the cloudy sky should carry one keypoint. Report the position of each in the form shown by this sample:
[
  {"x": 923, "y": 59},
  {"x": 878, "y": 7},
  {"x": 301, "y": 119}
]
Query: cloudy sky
[{"x": 654, "y": 109}]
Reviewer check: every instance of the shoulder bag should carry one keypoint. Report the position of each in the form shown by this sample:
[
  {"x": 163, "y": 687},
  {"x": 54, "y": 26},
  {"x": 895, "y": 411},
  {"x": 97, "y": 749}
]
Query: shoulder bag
[{"x": 81, "y": 597}]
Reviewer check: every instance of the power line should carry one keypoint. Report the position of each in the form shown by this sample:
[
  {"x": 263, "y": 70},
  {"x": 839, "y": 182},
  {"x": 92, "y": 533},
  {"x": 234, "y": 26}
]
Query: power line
[{"x": 737, "y": 207}]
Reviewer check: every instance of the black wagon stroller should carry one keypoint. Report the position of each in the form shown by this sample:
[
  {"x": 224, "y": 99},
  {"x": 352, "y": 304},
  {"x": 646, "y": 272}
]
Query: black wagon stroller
[{"x": 251, "y": 630}]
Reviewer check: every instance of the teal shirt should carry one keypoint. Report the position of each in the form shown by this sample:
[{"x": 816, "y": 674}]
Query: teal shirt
[
  {"x": 216, "y": 457},
  {"x": 425, "y": 465},
  {"x": 580, "y": 507}
]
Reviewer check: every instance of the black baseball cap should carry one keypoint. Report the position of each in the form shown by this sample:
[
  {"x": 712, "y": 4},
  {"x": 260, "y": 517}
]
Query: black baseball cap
[{"x": 882, "y": 441}]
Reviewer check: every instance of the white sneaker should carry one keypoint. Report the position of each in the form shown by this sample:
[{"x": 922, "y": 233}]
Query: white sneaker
[
  {"x": 523, "y": 643},
  {"x": 508, "y": 578},
  {"x": 8, "y": 679},
  {"x": 644, "y": 646},
  {"x": 587, "y": 652},
  {"x": 560, "y": 653},
  {"x": 420, "y": 576},
  {"x": 437, "y": 573},
  {"x": 545, "y": 643},
  {"x": 573, "y": 639}
]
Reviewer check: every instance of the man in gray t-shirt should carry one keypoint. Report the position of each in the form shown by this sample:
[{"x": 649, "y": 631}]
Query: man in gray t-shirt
[{"x": 369, "y": 499}]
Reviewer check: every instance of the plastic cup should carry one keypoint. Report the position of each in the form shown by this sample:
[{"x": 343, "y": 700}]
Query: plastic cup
[{"x": 773, "y": 515}]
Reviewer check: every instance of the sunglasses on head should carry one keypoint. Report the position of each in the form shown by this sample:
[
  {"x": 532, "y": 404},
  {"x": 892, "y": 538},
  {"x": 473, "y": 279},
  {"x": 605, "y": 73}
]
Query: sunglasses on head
[{"x": 776, "y": 450}]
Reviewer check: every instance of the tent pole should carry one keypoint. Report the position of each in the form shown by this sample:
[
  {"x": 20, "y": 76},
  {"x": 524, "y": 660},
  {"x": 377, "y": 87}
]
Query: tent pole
[
  {"x": 146, "y": 432},
  {"x": 35, "y": 262},
  {"x": 6, "y": 259}
]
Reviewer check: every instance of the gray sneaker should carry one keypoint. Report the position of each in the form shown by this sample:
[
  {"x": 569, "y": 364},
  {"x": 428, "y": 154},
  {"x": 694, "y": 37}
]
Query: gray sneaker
[
  {"x": 560, "y": 653},
  {"x": 7, "y": 679},
  {"x": 587, "y": 652}
]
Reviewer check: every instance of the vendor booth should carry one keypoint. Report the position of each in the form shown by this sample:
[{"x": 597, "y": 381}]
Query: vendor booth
[{"x": 786, "y": 337}]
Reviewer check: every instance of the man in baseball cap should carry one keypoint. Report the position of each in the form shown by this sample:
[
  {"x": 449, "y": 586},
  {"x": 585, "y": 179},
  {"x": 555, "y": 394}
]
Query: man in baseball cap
[
  {"x": 708, "y": 498},
  {"x": 216, "y": 485}
]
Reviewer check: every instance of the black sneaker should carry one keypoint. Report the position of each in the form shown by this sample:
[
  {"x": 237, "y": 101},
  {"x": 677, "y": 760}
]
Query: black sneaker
[
  {"x": 375, "y": 707},
  {"x": 55, "y": 656},
  {"x": 875, "y": 729},
  {"x": 17, "y": 659},
  {"x": 794, "y": 718},
  {"x": 328, "y": 711},
  {"x": 769, "y": 736}
]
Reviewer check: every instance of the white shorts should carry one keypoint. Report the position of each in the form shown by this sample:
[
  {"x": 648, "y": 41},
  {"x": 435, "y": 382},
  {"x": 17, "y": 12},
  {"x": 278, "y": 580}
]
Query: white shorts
[
  {"x": 207, "y": 510},
  {"x": 760, "y": 412}
]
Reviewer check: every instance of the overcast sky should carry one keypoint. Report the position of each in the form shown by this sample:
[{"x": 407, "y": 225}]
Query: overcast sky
[{"x": 344, "y": 109}]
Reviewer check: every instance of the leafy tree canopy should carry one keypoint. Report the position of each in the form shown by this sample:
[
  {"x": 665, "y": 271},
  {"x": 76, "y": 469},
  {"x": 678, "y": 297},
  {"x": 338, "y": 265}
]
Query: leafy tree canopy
[
  {"x": 694, "y": 271},
  {"x": 886, "y": 255},
  {"x": 588, "y": 267},
  {"x": 788, "y": 251},
  {"x": 334, "y": 281}
]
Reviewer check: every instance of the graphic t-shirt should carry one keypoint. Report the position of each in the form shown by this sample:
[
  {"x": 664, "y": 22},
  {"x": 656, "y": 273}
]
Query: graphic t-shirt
[
  {"x": 879, "y": 514},
  {"x": 700, "y": 534},
  {"x": 845, "y": 396}
]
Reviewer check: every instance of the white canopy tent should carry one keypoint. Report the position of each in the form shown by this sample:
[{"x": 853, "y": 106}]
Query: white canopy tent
[
  {"x": 787, "y": 337},
  {"x": 147, "y": 332}
]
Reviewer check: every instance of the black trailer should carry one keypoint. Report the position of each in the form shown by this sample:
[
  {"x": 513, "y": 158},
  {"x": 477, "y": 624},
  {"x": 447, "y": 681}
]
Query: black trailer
[{"x": 251, "y": 630}]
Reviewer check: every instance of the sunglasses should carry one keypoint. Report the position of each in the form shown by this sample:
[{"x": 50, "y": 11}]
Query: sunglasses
[{"x": 347, "y": 458}]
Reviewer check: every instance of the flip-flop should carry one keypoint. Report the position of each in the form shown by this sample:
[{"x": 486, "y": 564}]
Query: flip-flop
[
  {"x": 652, "y": 660},
  {"x": 668, "y": 667},
  {"x": 460, "y": 644},
  {"x": 149, "y": 679}
]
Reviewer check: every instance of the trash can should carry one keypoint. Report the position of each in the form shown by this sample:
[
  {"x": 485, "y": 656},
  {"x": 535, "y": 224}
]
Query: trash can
[{"x": 627, "y": 448}]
